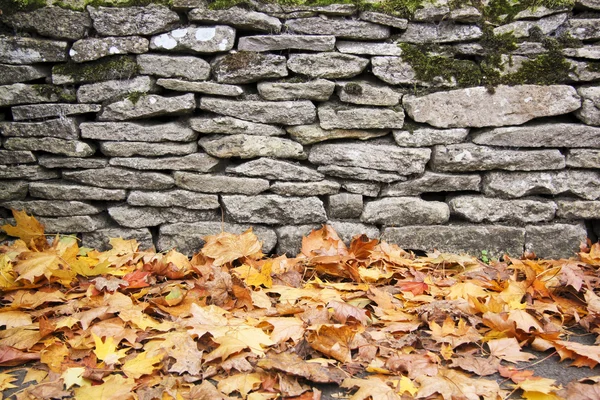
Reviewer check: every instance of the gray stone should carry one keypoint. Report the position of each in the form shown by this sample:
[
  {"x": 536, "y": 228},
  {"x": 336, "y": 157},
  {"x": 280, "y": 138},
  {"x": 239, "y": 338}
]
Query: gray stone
[
  {"x": 173, "y": 198},
  {"x": 207, "y": 183},
  {"x": 28, "y": 172},
  {"x": 100, "y": 239},
  {"x": 486, "y": 209},
  {"x": 272, "y": 169},
  {"x": 74, "y": 224},
  {"x": 336, "y": 115},
  {"x": 69, "y": 148},
  {"x": 403, "y": 211},
  {"x": 320, "y": 188},
  {"x": 20, "y": 93},
  {"x": 237, "y": 17},
  {"x": 71, "y": 162},
  {"x": 201, "y": 87},
  {"x": 200, "y": 162},
  {"x": 520, "y": 29},
  {"x": 232, "y": 126},
  {"x": 529, "y": 49},
  {"x": 289, "y": 238},
  {"x": 471, "y": 239},
  {"x": 396, "y": 71},
  {"x": 342, "y": 28},
  {"x": 54, "y": 208},
  {"x": 348, "y": 230},
  {"x": 95, "y": 48},
  {"x": 555, "y": 241},
  {"x": 303, "y": 9},
  {"x": 274, "y": 209},
  {"x": 511, "y": 64},
  {"x": 590, "y": 52},
  {"x": 124, "y": 21},
  {"x": 471, "y": 49},
  {"x": 584, "y": 29},
  {"x": 327, "y": 65},
  {"x": 539, "y": 12},
  {"x": 589, "y": 112},
  {"x": 16, "y": 157},
  {"x": 13, "y": 190},
  {"x": 434, "y": 182},
  {"x": 383, "y": 19},
  {"x": 368, "y": 48},
  {"x": 309, "y": 134},
  {"x": 368, "y": 93},
  {"x": 102, "y": 91},
  {"x": 188, "y": 238},
  {"x": 583, "y": 158},
  {"x": 147, "y": 149},
  {"x": 444, "y": 32},
  {"x": 540, "y": 135},
  {"x": 362, "y": 174},
  {"x": 120, "y": 178},
  {"x": 137, "y": 132},
  {"x": 112, "y": 68},
  {"x": 433, "y": 10},
  {"x": 203, "y": 40},
  {"x": 248, "y": 67},
  {"x": 465, "y": 14},
  {"x": 24, "y": 50},
  {"x": 423, "y": 137},
  {"x": 593, "y": 4},
  {"x": 167, "y": 66},
  {"x": 269, "y": 112},
  {"x": 54, "y": 22},
  {"x": 148, "y": 106},
  {"x": 37, "y": 111},
  {"x": 477, "y": 107},
  {"x": 21, "y": 73},
  {"x": 385, "y": 157},
  {"x": 62, "y": 190},
  {"x": 141, "y": 217},
  {"x": 318, "y": 90},
  {"x": 582, "y": 71},
  {"x": 577, "y": 209},
  {"x": 368, "y": 189},
  {"x": 345, "y": 206},
  {"x": 64, "y": 128},
  {"x": 246, "y": 146},
  {"x": 287, "y": 42},
  {"x": 471, "y": 157}
]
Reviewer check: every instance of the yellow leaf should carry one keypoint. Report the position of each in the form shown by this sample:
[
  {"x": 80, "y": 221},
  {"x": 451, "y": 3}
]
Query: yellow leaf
[
  {"x": 508, "y": 349},
  {"x": 525, "y": 321},
  {"x": 141, "y": 365},
  {"x": 372, "y": 388},
  {"x": 7, "y": 274},
  {"x": 27, "y": 228},
  {"x": 36, "y": 375},
  {"x": 464, "y": 290},
  {"x": 541, "y": 396},
  {"x": 253, "y": 277},
  {"x": 285, "y": 328},
  {"x": 537, "y": 384},
  {"x": 227, "y": 346},
  {"x": 14, "y": 319},
  {"x": 54, "y": 356},
  {"x": 6, "y": 381},
  {"x": 406, "y": 385},
  {"x": 241, "y": 383},
  {"x": 73, "y": 376},
  {"x": 114, "y": 387},
  {"x": 226, "y": 247},
  {"x": 33, "y": 264},
  {"x": 107, "y": 350}
]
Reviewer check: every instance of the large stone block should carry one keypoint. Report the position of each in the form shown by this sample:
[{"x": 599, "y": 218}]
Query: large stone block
[
  {"x": 555, "y": 241},
  {"x": 38, "y": 111},
  {"x": 148, "y": 106},
  {"x": 368, "y": 48},
  {"x": 64, "y": 128},
  {"x": 369, "y": 93},
  {"x": 237, "y": 17},
  {"x": 54, "y": 22},
  {"x": 274, "y": 209},
  {"x": 584, "y": 28},
  {"x": 348, "y": 230},
  {"x": 16, "y": 157},
  {"x": 589, "y": 112},
  {"x": 22, "y": 73},
  {"x": 318, "y": 90},
  {"x": 487, "y": 209},
  {"x": 124, "y": 21},
  {"x": 269, "y": 112},
  {"x": 345, "y": 206},
  {"x": 309, "y": 134},
  {"x": 367, "y": 189},
  {"x": 71, "y": 162},
  {"x": 434, "y": 182},
  {"x": 334, "y": 115},
  {"x": 200, "y": 162},
  {"x": 147, "y": 149},
  {"x": 13, "y": 190},
  {"x": 578, "y": 209},
  {"x": 24, "y": 50},
  {"x": 583, "y": 158},
  {"x": 95, "y": 48},
  {"x": 246, "y": 146},
  {"x": 361, "y": 174},
  {"x": 54, "y": 208},
  {"x": 521, "y": 29},
  {"x": 74, "y": 224},
  {"x": 20, "y": 93},
  {"x": 137, "y": 132},
  {"x": 120, "y": 178},
  {"x": 248, "y": 67},
  {"x": 213, "y": 88},
  {"x": 540, "y": 135},
  {"x": 329, "y": 65},
  {"x": 173, "y": 198},
  {"x": 232, "y": 126},
  {"x": 108, "y": 90},
  {"x": 142, "y": 217},
  {"x": 208, "y": 183},
  {"x": 286, "y": 42},
  {"x": 320, "y": 188},
  {"x": 27, "y": 172},
  {"x": 383, "y": 19},
  {"x": 342, "y": 28},
  {"x": 62, "y": 190},
  {"x": 203, "y": 40},
  {"x": 100, "y": 239},
  {"x": 167, "y": 66},
  {"x": 445, "y": 32},
  {"x": 403, "y": 211},
  {"x": 269, "y": 168},
  {"x": 423, "y": 137},
  {"x": 69, "y": 148}
]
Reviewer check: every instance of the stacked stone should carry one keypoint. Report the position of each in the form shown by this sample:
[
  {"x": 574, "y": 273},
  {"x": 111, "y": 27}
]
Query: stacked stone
[{"x": 167, "y": 125}]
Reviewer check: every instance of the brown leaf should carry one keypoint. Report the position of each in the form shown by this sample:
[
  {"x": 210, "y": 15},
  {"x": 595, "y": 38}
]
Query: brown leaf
[
  {"x": 477, "y": 365},
  {"x": 343, "y": 311},
  {"x": 581, "y": 391},
  {"x": 9, "y": 356},
  {"x": 28, "y": 229},
  {"x": 333, "y": 341},
  {"x": 227, "y": 247},
  {"x": 291, "y": 363}
]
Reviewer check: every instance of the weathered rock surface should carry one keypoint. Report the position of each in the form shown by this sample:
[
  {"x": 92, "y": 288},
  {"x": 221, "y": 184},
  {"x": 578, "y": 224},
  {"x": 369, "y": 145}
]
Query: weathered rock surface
[
  {"x": 24, "y": 50},
  {"x": 274, "y": 209},
  {"x": 423, "y": 137},
  {"x": 471, "y": 157},
  {"x": 20, "y": 93},
  {"x": 248, "y": 67},
  {"x": 16, "y": 157},
  {"x": 72, "y": 224},
  {"x": 486, "y": 209},
  {"x": 100, "y": 239},
  {"x": 124, "y": 21},
  {"x": 173, "y": 198},
  {"x": 520, "y": 29},
  {"x": 584, "y": 29},
  {"x": 269, "y": 112},
  {"x": 147, "y": 149},
  {"x": 200, "y": 162},
  {"x": 289, "y": 238},
  {"x": 383, "y": 19},
  {"x": 335, "y": 115},
  {"x": 368, "y": 93},
  {"x": 54, "y": 208},
  {"x": 141, "y": 217},
  {"x": 28, "y": 172},
  {"x": 120, "y": 178},
  {"x": 148, "y": 106},
  {"x": 445, "y": 32},
  {"x": 342, "y": 10},
  {"x": 208, "y": 183},
  {"x": 285, "y": 42},
  {"x": 476, "y": 107},
  {"x": 309, "y": 134},
  {"x": 405, "y": 211},
  {"x": 107, "y": 90},
  {"x": 37, "y": 111},
  {"x": 362, "y": 174},
  {"x": 582, "y": 71},
  {"x": 71, "y": 162},
  {"x": 367, "y": 48},
  {"x": 319, "y": 188},
  {"x": 21, "y": 73},
  {"x": 375, "y": 156},
  {"x": 232, "y": 126},
  {"x": 555, "y": 241},
  {"x": 137, "y": 132},
  {"x": 577, "y": 209},
  {"x": 237, "y": 17},
  {"x": 54, "y": 22},
  {"x": 368, "y": 189},
  {"x": 592, "y": 4},
  {"x": 203, "y": 40},
  {"x": 318, "y": 90},
  {"x": 541, "y": 135},
  {"x": 186, "y": 67},
  {"x": 583, "y": 158},
  {"x": 62, "y": 190},
  {"x": 69, "y": 148},
  {"x": 64, "y": 128},
  {"x": 13, "y": 190},
  {"x": 272, "y": 169},
  {"x": 590, "y": 52},
  {"x": 434, "y": 182},
  {"x": 348, "y": 230},
  {"x": 345, "y": 206},
  {"x": 246, "y": 146},
  {"x": 200, "y": 87},
  {"x": 396, "y": 71},
  {"x": 110, "y": 68},
  {"x": 589, "y": 112},
  {"x": 93, "y": 49},
  {"x": 342, "y": 28},
  {"x": 327, "y": 65}
]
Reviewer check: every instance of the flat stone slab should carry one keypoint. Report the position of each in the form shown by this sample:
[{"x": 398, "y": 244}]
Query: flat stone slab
[
  {"x": 95, "y": 48},
  {"x": 590, "y": 52},
  {"x": 22, "y": 73},
  {"x": 540, "y": 135},
  {"x": 27, "y": 172},
  {"x": 317, "y": 90},
  {"x": 173, "y": 198},
  {"x": 368, "y": 189},
  {"x": 100, "y": 239},
  {"x": 339, "y": 116},
  {"x": 370, "y": 93},
  {"x": 201, "y": 87},
  {"x": 208, "y": 183},
  {"x": 274, "y": 209},
  {"x": 584, "y": 29},
  {"x": 424, "y": 137},
  {"x": 342, "y": 28},
  {"x": 434, "y": 182},
  {"x": 121, "y": 178},
  {"x": 246, "y": 146},
  {"x": 578, "y": 209},
  {"x": 445, "y": 32},
  {"x": 147, "y": 149},
  {"x": 232, "y": 126},
  {"x": 124, "y": 21},
  {"x": 107, "y": 90},
  {"x": 200, "y": 162},
  {"x": 289, "y": 238},
  {"x": 583, "y": 158},
  {"x": 344, "y": 206},
  {"x": 137, "y": 132},
  {"x": 148, "y": 106},
  {"x": 287, "y": 42},
  {"x": 13, "y": 190},
  {"x": 476, "y": 107},
  {"x": 237, "y": 17},
  {"x": 173, "y": 66},
  {"x": 64, "y": 128},
  {"x": 54, "y": 208},
  {"x": 403, "y": 211},
  {"x": 16, "y": 157},
  {"x": 320, "y": 188},
  {"x": 54, "y": 22},
  {"x": 74, "y": 224},
  {"x": 309, "y": 134},
  {"x": 383, "y": 19},
  {"x": 142, "y": 217},
  {"x": 329, "y": 65},
  {"x": 38, "y": 111},
  {"x": 20, "y": 93},
  {"x": 384, "y": 157},
  {"x": 24, "y": 50},
  {"x": 69, "y": 148},
  {"x": 589, "y": 113},
  {"x": 367, "y": 48},
  {"x": 396, "y": 71},
  {"x": 71, "y": 162},
  {"x": 521, "y": 29},
  {"x": 63, "y": 190},
  {"x": 269, "y": 168},
  {"x": 555, "y": 241},
  {"x": 486, "y": 209},
  {"x": 194, "y": 39},
  {"x": 362, "y": 174},
  {"x": 471, "y": 157},
  {"x": 110, "y": 68},
  {"x": 248, "y": 67},
  {"x": 269, "y": 112}
]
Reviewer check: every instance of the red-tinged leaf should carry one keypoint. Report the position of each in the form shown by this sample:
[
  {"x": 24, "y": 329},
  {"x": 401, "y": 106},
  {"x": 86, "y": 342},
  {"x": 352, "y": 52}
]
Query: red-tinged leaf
[
  {"x": 514, "y": 374},
  {"x": 9, "y": 356},
  {"x": 343, "y": 311},
  {"x": 415, "y": 288},
  {"x": 137, "y": 279}
]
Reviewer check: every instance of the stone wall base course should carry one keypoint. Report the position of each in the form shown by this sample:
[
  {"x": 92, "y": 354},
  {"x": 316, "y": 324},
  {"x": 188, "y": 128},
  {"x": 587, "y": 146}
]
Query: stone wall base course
[
  {"x": 13, "y": 190},
  {"x": 62, "y": 190},
  {"x": 55, "y": 208},
  {"x": 37, "y": 111},
  {"x": 141, "y": 217},
  {"x": 555, "y": 241},
  {"x": 100, "y": 239},
  {"x": 72, "y": 224}
]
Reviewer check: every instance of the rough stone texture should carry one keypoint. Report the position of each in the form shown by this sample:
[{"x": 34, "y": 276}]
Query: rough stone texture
[
  {"x": 589, "y": 52},
  {"x": 272, "y": 169},
  {"x": 232, "y": 126},
  {"x": 367, "y": 189},
  {"x": 124, "y": 21},
  {"x": 582, "y": 71},
  {"x": 54, "y": 208},
  {"x": 540, "y": 135},
  {"x": 120, "y": 178},
  {"x": 64, "y": 128},
  {"x": 62, "y": 190},
  {"x": 141, "y": 217},
  {"x": 116, "y": 67},
  {"x": 100, "y": 239},
  {"x": 201, "y": 87},
  {"x": 203, "y": 40},
  {"x": 520, "y": 29},
  {"x": 246, "y": 146},
  {"x": 367, "y": 48},
  {"x": 423, "y": 137},
  {"x": 362, "y": 174},
  {"x": 348, "y": 230},
  {"x": 20, "y": 93},
  {"x": 327, "y": 65},
  {"x": 383, "y": 19},
  {"x": 37, "y": 111},
  {"x": 13, "y": 190},
  {"x": 200, "y": 162},
  {"x": 434, "y": 182},
  {"x": 173, "y": 198},
  {"x": 246, "y": 67},
  {"x": 375, "y": 156},
  {"x": 220, "y": 183},
  {"x": 555, "y": 241},
  {"x": 583, "y": 158},
  {"x": 471, "y": 157},
  {"x": 403, "y": 211},
  {"x": 237, "y": 17},
  {"x": 539, "y": 12},
  {"x": 589, "y": 112},
  {"x": 335, "y": 115},
  {"x": 289, "y": 238},
  {"x": 308, "y": 10},
  {"x": 274, "y": 209},
  {"x": 16, "y": 157},
  {"x": 345, "y": 206},
  {"x": 146, "y": 149},
  {"x": 470, "y": 239},
  {"x": 477, "y": 107},
  {"x": 69, "y": 148},
  {"x": 21, "y": 73},
  {"x": 186, "y": 67},
  {"x": 444, "y": 32},
  {"x": 320, "y": 188},
  {"x": 71, "y": 162},
  {"x": 269, "y": 112},
  {"x": 396, "y": 71},
  {"x": 188, "y": 238},
  {"x": 485, "y": 209},
  {"x": 93, "y": 49},
  {"x": 24, "y": 50},
  {"x": 368, "y": 93},
  {"x": 286, "y": 42},
  {"x": 148, "y": 106},
  {"x": 102, "y": 91},
  {"x": 54, "y": 22},
  {"x": 28, "y": 172},
  {"x": 309, "y": 134},
  {"x": 577, "y": 209},
  {"x": 593, "y": 4},
  {"x": 77, "y": 223},
  {"x": 137, "y": 132},
  {"x": 584, "y": 29},
  {"x": 318, "y": 90},
  {"x": 342, "y": 28}
]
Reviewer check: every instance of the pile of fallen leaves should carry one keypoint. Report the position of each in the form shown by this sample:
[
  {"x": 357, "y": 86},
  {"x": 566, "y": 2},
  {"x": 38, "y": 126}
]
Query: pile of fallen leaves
[{"x": 374, "y": 320}]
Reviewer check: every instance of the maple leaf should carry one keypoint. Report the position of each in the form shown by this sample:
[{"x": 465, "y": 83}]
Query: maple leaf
[
  {"x": 33, "y": 264},
  {"x": 6, "y": 381},
  {"x": 114, "y": 387},
  {"x": 253, "y": 277},
  {"x": 107, "y": 350},
  {"x": 28, "y": 229},
  {"x": 291, "y": 363},
  {"x": 7, "y": 274},
  {"x": 110, "y": 283},
  {"x": 524, "y": 321},
  {"x": 140, "y": 365},
  {"x": 477, "y": 365},
  {"x": 227, "y": 346},
  {"x": 451, "y": 384},
  {"x": 332, "y": 340},
  {"x": 373, "y": 388},
  {"x": 323, "y": 242},
  {"x": 538, "y": 384},
  {"x": 241, "y": 383},
  {"x": 227, "y": 247},
  {"x": 583, "y": 355},
  {"x": 581, "y": 391},
  {"x": 514, "y": 374},
  {"x": 73, "y": 376},
  {"x": 508, "y": 349},
  {"x": 13, "y": 319},
  {"x": 342, "y": 311},
  {"x": 285, "y": 328}
]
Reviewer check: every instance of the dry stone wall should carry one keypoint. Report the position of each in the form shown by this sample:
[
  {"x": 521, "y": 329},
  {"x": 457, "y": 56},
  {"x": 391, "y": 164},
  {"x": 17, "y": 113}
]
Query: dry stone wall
[{"x": 166, "y": 124}]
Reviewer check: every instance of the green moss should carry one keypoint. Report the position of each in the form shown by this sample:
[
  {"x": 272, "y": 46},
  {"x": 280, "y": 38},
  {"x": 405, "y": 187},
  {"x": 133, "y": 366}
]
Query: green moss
[
  {"x": 120, "y": 67},
  {"x": 134, "y": 97},
  {"x": 12, "y": 6},
  {"x": 353, "y": 88},
  {"x": 51, "y": 90}
]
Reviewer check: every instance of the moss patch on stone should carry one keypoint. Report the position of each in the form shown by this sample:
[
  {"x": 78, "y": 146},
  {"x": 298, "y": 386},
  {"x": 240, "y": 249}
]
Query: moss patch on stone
[
  {"x": 123, "y": 67},
  {"x": 12, "y": 6},
  {"x": 47, "y": 90},
  {"x": 241, "y": 59},
  {"x": 353, "y": 88}
]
